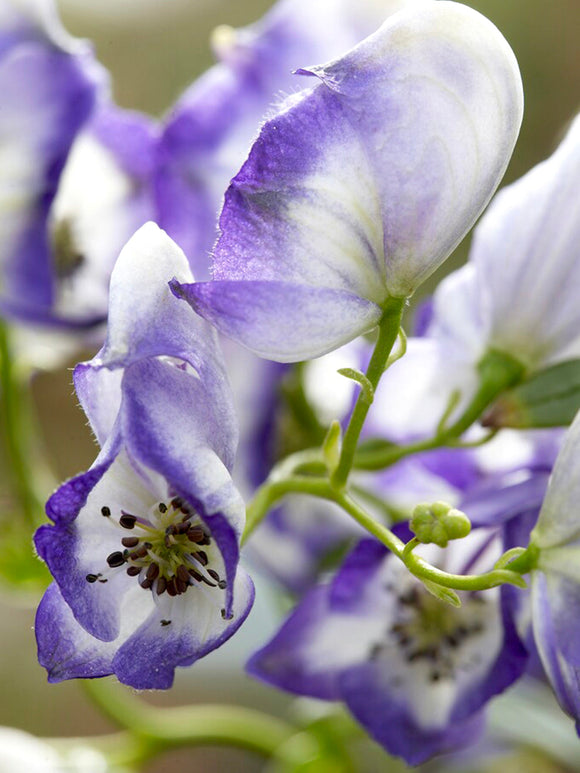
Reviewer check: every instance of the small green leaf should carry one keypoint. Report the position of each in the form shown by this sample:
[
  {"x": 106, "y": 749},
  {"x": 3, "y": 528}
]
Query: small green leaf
[
  {"x": 549, "y": 398},
  {"x": 368, "y": 393},
  {"x": 332, "y": 445},
  {"x": 443, "y": 594}
]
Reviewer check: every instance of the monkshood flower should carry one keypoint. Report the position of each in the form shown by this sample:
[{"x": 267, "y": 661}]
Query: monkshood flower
[
  {"x": 50, "y": 84},
  {"x": 360, "y": 187},
  {"x": 413, "y": 671},
  {"x": 145, "y": 545},
  {"x": 555, "y": 577},
  {"x": 208, "y": 133}
]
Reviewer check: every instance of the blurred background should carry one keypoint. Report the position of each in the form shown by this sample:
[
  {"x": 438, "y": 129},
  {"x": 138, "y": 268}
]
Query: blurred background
[{"x": 154, "y": 50}]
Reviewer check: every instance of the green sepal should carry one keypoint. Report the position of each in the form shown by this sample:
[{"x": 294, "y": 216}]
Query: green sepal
[
  {"x": 443, "y": 594},
  {"x": 549, "y": 398}
]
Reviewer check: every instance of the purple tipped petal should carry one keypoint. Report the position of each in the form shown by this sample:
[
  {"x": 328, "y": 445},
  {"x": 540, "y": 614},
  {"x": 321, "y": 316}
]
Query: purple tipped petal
[
  {"x": 177, "y": 633},
  {"x": 354, "y": 186},
  {"x": 47, "y": 96},
  {"x": 65, "y": 649},
  {"x": 282, "y": 321},
  {"x": 367, "y": 691}
]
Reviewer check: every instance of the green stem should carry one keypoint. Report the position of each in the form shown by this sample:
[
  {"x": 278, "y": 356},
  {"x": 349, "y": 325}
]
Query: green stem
[
  {"x": 497, "y": 371},
  {"x": 164, "y": 728},
  {"x": 389, "y": 327},
  {"x": 16, "y": 421}
]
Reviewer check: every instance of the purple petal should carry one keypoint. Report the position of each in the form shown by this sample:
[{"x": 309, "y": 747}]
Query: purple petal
[
  {"x": 179, "y": 632},
  {"x": 281, "y": 321},
  {"x": 368, "y": 694},
  {"x": 65, "y": 649}
]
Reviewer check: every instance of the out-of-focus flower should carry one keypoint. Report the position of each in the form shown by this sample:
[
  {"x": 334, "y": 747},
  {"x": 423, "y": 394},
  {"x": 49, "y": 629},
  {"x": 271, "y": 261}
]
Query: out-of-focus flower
[
  {"x": 518, "y": 294},
  {"x": 359, "y": 188},
  {"x": 415, "y": 672},
  {"x": 145, "y": 545},
  {"x": 20, "y": 751},
  {"x": 208, "y": 133},
  {"x": 556, "y": 577},
  {"x": 50, "y": 84}
]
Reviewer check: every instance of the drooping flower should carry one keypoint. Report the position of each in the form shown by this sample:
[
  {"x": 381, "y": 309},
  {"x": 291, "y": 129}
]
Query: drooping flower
[
  {"x": 414, "y": 672},
  {"x": 360, "y": 187},
  {"x": 50, "y": 84},
  {"x": 145, "y": 545},
  {"x": 208, "y": 133}
]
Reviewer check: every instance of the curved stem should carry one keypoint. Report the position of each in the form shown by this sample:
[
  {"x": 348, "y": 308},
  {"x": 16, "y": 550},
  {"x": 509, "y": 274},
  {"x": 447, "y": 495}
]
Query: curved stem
[
  {"x": 190, "y": 725},
  {"x": 389, "y": 327},
  {"x": 17, "y": 423}
]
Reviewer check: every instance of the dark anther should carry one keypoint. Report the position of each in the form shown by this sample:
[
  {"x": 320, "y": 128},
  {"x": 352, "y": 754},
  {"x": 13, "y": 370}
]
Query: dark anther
[
  {"x": 410, "y": 598},
  {"x": 180, "y": 585},
  {"x": 169, "y": 540},
  {"x": 161, "y": 585},
  {"x": 140, "y": 553},
  {"x": 145, "y": 583},
  {"x": 106, "y": 511},
  {"x": 222, "y": 585},
  {"x": 214, "y": 574},
  {"x": 195, "y": 534},
  {"x": 152, "y": 572},
  {"x": 176, "y": 503},
  {"x": 435, "y": 676},
  {"x": 196, "y": 575},
  {"x": 92, "y": 577},
  {"x": 208, "y": 582},
  {"x": 225, "y": 616},
  {"x": 115, "y": 559},
  {"x": 127, "y": 521},
  {"x": 162, "y": 509},
  {"x": 133, "y": 571},
  {"x": 201, "y": 556},
  {"x": 130, "y": 542},
  {"x": 182, "y": 573},
  {"x": 103, "y": 580},
  {"x": 171, "y": 589},
  {"x": 182, "y": 528},
  {"x": 165, "y": 622}
]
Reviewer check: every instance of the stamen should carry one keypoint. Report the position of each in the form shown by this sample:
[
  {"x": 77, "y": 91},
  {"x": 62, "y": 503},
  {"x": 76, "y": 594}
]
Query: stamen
[
  {"x": 127, "y": 521},
  {"x": 92, "y": 577},
  {"x": 106, "y": 511},
  {"x": 130, "y": 542},
  {"x": 165, "y": 622},
  {"x": 115, "y": 559},
  {"x": 162, "y": 507},
  {"x": 133, "y": 571}
]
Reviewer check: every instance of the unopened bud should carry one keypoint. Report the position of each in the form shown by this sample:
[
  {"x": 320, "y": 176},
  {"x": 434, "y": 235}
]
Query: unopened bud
[{"x": 438, "y": 523}]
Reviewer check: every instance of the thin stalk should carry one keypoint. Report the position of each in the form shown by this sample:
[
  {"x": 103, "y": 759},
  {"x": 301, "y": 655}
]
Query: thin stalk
[
  {"x": 389, "y": 327},
  {"x": 164, "y": 728}
]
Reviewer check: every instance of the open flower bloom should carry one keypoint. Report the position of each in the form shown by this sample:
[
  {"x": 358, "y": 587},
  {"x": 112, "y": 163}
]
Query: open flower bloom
[
  {"x": 49, "y": 84},
  {"x": 208, "y": 133},
  {"x": 360, "y": 187},
  {"x": 556, "y": 577},
  {"x": 414, "y": 671},
  {"x": 145, "y": 545}
]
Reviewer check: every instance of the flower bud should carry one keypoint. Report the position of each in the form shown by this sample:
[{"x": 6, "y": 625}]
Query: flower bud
[{"x": 439, "y": 523}]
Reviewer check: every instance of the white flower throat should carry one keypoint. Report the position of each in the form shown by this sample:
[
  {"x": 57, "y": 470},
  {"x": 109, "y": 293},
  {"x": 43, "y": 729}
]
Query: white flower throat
[{"x": 164, "y": 551}]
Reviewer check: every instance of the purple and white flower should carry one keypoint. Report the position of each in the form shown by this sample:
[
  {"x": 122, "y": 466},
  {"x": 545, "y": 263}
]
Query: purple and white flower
[
  {"x": 518, "y": 294},
  {"x": 414, "y": 672},
  {"x": 361, "y": 186},
  {"x": 145, "y": 545},
  {"x": 50, "y": 85},
  {"x": 556, "y": 575},
  {"x": 208, "y": 133}
]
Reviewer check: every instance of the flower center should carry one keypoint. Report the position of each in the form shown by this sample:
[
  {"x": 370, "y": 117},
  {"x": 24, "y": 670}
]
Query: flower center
[
  {"x": 425, "y": 630},
  {"x": 164, "y": 551}
]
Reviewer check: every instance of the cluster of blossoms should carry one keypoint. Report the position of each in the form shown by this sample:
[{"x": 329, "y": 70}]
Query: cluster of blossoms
[{"x": 335, "y": 203}]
